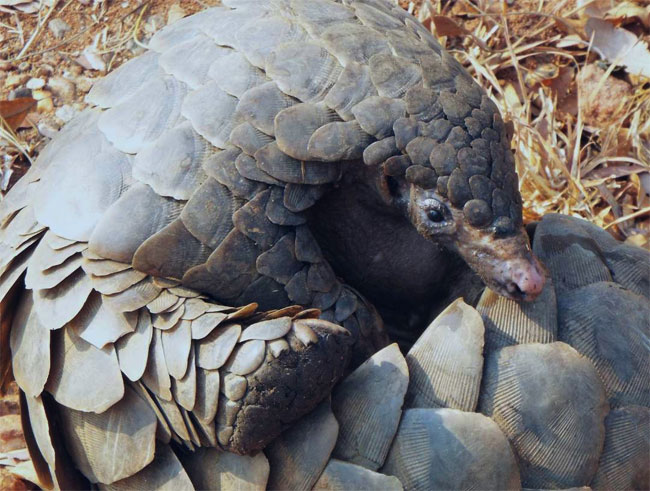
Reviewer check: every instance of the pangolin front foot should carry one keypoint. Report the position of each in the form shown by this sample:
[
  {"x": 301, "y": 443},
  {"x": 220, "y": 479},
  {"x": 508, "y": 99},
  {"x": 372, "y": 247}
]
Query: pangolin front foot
[{"x": 298, "y": 372}]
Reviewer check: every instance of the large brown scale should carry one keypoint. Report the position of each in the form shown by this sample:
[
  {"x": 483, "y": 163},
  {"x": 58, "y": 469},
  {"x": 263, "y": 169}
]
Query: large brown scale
[{"x": 181, "y": 270}]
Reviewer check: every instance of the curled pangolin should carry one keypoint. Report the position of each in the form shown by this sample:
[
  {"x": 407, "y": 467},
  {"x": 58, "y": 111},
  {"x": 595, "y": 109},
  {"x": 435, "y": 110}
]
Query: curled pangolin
[{"x": 264, "y": 155}]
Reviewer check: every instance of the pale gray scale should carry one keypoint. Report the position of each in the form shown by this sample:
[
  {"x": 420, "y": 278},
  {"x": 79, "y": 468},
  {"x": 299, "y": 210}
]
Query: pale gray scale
[
  {"x": 184, "y": 389},
  {"x": 261, "y": 104},
  {"x": 144, "y": 116},
  {"x": 253, "y": 223},
  {"x": 303, "y": 70},
  {"x": 369, "y": 418},
  {"x": 185, "y": 29},
  {"x": 99, "y": 326},
  {"x": 208, "y": 214},
  {"x": 249, "y": 139},
  {"x": 57, "y": 243},
  {"x": 207, "y": 393},
  {"x": 382, "y": 5},
  {"x": 165, "y": 302},
  {"x": 82, "y": 183},
  {"x": 407, "y": 45},
  {"x": 376, "y": 18},
  {"x": 376, "y": 115},
  {"x": 93, "y": 440},
  {"x": 12, "y": 261},
  {"x": 60, "y": 305},
  {"x": 83, "y": 377},
  {"x": 393, "y": 76},
  {"x": 414, "y": 26},
  {"x": 317, "y": 15},
  {"x": 117, "y": 282},
  {"x": 234, "y": 74},
  {"x": 224, "y": 27},
  {"x": 279, "y": 165},
  {"x": 134, "y": 297},
  {"x": 248, "y": 4},
  {"x": 30, "y": 347},
  {"x": 102, "y": 267},
  {"x": 190, "y": 61},
  {"x": 223, "y": 168},
  {"x": 343, "y": 475},
  {"x": 172, "y": 164},
  {"x": 79, "y": 127},
  {"x": 13, "y": 232},
  {"x": 295, "y": 125},
  {"x": 301, "y": 453},
  {"x": 133, "y": 348},
  {"x": 170, "y": 252},
  {"x": 438, "y": 71},
  {"x": 451, "y": 449},
  {"x": 299, "y": 197},
  {"x": 194, "y": 308},
  {"x": 45, "y": 257},
  {"x": 123, "y": 82},
  {"x": 132, "y": 219},
  {"x": 259, "y": 37},
  {"x": 39, "y": 280},
  {"x": 205, "y": 323},
  {"x": 247, "y": 167},
  {"x": 155, "y": 376},
  {"x": 280, "y": 214},
  {"x": 164, "y": 472},
  {"x": 210, "y": 468},
  {"x": 353, "y": 43},
  {"x": 169, "y": 319},
  {"x": 177, "y": 343},
  {"x": 338, "y": 141},
  {"x": 353, "y": 86},
  {"x": 211, "y": 111}
]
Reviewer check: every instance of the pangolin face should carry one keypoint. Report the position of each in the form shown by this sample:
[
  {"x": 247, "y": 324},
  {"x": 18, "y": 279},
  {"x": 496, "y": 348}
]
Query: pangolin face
[{"x": 497, "y": 249}]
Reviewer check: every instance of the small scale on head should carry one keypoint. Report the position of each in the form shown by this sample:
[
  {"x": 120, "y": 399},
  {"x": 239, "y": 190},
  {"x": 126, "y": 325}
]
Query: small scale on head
[{"x": 465, "y": 197}]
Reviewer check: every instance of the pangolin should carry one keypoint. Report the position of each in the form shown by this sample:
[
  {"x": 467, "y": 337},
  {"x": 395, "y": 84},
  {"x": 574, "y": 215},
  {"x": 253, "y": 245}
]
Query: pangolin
[{"x": 196, "y": 258}]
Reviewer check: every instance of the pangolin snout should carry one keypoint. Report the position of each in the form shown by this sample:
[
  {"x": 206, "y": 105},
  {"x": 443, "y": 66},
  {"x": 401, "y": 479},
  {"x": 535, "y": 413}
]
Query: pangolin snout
[{"x": 526, "y": 279}]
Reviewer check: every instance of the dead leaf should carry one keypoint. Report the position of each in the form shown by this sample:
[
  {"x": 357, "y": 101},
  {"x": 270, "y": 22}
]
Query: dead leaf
[
  {"x": 627, "y": 12},
  {"x": 446, "y": 26},
  {"x": 14, "y": 112},
  {"x": 175, "y": 12},
  {"x": 619, "y": 46}
]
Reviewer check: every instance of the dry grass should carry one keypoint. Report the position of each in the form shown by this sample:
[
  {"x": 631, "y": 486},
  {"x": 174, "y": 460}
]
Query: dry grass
[
  {"x": 574, "y": 155},
  {"x": 578, "y": 152}
]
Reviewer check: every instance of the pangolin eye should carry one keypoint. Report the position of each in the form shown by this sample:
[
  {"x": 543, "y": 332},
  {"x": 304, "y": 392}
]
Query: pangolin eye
[{"x": 435, "y": 215}]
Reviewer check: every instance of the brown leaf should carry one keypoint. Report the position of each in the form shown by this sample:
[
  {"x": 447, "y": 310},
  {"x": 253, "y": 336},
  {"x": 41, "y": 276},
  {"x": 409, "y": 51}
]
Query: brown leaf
[
  {"x": 14, "y": 112},
  {"x": 446, "y": 26}
]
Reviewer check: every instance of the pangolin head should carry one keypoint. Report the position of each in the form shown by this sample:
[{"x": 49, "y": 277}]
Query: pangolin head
[{"x": 457, "y": 183}]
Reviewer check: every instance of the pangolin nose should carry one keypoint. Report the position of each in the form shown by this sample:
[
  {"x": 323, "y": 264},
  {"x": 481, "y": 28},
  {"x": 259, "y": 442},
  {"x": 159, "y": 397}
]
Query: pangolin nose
[{"x": 529, "y": 279}]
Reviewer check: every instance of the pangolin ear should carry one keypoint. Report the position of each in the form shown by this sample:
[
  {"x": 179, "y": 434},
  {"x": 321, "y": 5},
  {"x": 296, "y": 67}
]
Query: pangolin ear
[{"x": 392, "y": 184}]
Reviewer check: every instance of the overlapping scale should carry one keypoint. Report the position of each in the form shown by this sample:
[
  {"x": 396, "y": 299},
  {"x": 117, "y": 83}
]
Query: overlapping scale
[
  {"x": 368, "y": 418},
  {"x": 446, "y": 362},
  {"x": 300, "y": 454},
  {"x": 551, "y": 405},
  {"x": 451, "y": 449},
  {"x": 618, "y": 345}
]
